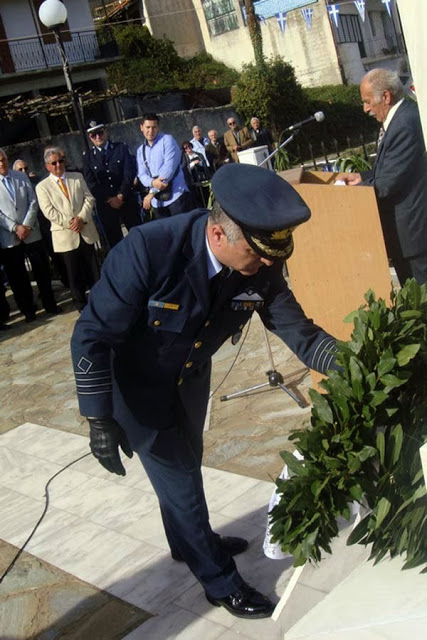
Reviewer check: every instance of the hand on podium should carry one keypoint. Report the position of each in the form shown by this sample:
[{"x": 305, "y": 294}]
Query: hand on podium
[{"x": 350, "y": 179}]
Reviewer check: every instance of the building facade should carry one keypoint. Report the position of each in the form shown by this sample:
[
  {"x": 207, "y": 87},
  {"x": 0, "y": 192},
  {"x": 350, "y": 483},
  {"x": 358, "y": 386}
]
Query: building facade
[
  {"x": 30, "y": 62},
  {"x": 323, "y": 47}
]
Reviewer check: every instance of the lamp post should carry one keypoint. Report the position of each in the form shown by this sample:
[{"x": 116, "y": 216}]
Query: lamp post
[{"x": 53, "y": 14}]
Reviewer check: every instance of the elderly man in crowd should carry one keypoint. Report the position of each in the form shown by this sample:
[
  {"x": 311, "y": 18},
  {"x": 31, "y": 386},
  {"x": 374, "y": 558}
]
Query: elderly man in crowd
[
  {"x": 20, "y": 237},
  {"x": 199, "y": 142},
  {"x": 216, "y": 151},
  {"x": 160, "y": 171},
  {"x": 236, "y": 138},
  {"x": 260, "y": 135},
  {"x": 66, "y": 201},
  {"x": 110, "y": 170},
  {"x": 399, "y": 176},
  {"x": 171, "y": 293}
]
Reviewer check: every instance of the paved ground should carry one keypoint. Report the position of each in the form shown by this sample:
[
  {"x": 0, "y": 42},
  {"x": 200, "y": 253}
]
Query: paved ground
[{"x": 244, "y": 436}]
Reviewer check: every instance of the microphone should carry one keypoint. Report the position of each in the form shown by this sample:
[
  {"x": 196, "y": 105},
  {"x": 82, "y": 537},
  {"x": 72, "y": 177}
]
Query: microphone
[{"x": 319, "y": 116}]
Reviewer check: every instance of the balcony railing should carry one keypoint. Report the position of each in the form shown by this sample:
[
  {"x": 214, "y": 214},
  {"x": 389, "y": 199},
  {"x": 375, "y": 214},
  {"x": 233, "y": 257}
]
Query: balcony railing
[{"x": 33, "y": 53}]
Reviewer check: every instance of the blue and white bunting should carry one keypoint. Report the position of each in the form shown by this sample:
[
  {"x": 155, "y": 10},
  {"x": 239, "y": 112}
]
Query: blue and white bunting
[
  {"x": 360, "y": 6},
  {"x": 261, "y": 19},
  {"x": 307, "y": 14},
  {"x": 333, "y": 13},
  {"x": 387, "y": 5},
  {"x": 281, "y": 19}
]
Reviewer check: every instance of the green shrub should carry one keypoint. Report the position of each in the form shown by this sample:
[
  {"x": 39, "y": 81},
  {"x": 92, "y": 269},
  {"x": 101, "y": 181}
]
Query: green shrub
[
  {"x": 271, "y": 93},
  {"x": 344, "y": 116},
  {"x": 152, "y": 64},
  {"x": 364, "y": 440}
]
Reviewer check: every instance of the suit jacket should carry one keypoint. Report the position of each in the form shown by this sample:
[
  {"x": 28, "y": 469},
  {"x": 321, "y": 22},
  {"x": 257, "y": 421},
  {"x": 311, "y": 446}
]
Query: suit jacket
[
  {"x": 142, "y": 347},
  {"x": 217, "y": 154},
  {"x": 262, "y": 137},
  {"x": 22, "y": 210},
  {"x": 230, "y": 142},
  {"x": 399, "y": 178},
  {"x": 59, "y": 210},
  {"x": 106, "y": 177}
]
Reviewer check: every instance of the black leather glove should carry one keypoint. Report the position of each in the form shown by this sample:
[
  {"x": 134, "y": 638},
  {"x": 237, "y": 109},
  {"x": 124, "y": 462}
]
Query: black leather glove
[{"x": 106, "y": 435}]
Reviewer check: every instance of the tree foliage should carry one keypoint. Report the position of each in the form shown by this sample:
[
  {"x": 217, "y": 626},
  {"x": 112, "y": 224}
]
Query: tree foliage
[
  {"x": 272, "y": 93},
  {"x": 152, "y": 64},
  {"x": 364, "y": 440}
]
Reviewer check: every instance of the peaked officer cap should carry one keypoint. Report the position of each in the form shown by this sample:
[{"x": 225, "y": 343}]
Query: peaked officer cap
[
  {"x": 266, "y": 207},
  {"x": 93, "y": 125}
]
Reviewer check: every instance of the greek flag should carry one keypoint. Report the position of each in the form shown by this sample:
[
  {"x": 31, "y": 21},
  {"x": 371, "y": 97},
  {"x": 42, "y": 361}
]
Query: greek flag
[
  {"x": 387, "y": 4},
  {"x": 360, "y": 6},
  {"x": 307, "y": 14},
  {"x": 333, "y": 13},
  {"x": 281, "y": 19}
]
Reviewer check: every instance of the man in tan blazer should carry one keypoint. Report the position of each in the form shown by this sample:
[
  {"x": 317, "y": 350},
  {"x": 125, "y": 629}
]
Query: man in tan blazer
[
  {"x": 237, "y": 138},
  {"x": 66, "y": 201}
]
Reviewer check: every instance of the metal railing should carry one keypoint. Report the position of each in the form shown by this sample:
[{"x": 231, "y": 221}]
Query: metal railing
[{"x": 34, "y": 53}]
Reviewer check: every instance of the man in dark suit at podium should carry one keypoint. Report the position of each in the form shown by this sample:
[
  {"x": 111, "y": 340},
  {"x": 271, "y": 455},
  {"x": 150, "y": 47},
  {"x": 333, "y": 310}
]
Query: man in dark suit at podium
[{"x": 399, "y": 176}]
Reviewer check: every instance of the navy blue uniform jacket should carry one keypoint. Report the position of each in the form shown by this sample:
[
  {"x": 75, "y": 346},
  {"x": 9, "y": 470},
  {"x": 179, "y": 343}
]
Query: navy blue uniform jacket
[
  {"x": 116, "y": 174},
  {"x": 400, "y": 181},
  {"x": 142, "y": 346}
]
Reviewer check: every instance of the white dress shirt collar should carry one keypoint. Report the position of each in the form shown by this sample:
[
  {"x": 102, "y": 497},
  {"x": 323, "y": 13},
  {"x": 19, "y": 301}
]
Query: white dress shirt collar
[{"x": 391, "y": 113}]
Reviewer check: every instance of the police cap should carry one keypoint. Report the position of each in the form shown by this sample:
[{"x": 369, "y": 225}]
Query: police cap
[
  {"x": 266, "y": 207},
  {"x": 93, "y": 125}
]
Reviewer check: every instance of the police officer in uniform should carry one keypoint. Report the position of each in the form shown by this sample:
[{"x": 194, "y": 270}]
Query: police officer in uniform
[
  {"x": 171, "y": 293},
  {"x": 109, "y": 170}
]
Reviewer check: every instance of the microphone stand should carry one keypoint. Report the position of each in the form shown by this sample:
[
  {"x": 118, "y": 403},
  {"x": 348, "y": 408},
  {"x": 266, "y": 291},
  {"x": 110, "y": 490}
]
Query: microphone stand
[
  {"x": 284, "y": 144},
  {"x": 275, "y": 379}
]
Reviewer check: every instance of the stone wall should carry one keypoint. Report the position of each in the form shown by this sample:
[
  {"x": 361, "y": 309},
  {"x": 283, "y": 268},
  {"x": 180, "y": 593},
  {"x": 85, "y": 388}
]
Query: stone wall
[{"x": 177, "y": 123}]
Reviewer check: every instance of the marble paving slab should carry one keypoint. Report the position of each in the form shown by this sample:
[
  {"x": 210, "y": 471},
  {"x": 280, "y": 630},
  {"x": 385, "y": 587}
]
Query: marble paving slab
[{"x": 107, "y": 531}]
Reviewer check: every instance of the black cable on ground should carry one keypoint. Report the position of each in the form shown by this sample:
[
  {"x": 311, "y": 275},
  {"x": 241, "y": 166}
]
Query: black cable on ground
[{"x": 46, "y": 506}]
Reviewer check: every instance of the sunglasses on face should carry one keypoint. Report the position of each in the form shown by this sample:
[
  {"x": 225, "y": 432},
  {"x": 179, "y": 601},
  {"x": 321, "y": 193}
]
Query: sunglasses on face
[
  {"x": 187, "y": 147},
  {"x": 97, "y": 134},
  {"x": 56, "y": 162},
  {"x": 23, "y": 169},
  {"x": 232, "y": 122}
]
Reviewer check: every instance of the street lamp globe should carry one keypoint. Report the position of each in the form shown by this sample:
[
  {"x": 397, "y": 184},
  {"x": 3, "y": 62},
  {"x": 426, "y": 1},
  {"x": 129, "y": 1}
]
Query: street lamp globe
[{"x": 52, "y": 13}]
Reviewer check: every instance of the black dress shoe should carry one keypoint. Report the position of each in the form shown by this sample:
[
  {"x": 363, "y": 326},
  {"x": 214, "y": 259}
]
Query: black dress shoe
[
  {"x": 230, "y": 544},
  {"x": 54, "y": 311},
  {"x": 246, "y": 602},
  {"x": 4, "y": 327},
  {"x": 30, "y": 317}
]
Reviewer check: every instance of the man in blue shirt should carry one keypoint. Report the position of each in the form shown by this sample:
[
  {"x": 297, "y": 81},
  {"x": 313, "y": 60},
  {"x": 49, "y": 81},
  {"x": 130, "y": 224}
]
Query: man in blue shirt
[{"x": 159, "y": 170}]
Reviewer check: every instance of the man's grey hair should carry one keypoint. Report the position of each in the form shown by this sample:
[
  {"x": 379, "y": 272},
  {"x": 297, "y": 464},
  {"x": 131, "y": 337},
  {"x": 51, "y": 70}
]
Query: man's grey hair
[
  {"x": 196, "y": 126},
  {"x": 16, "y": 162},
  {"x": 53, "y": 151},
  {"x": 232, "y": 231},
  {"x": 384, "y": 80},
  {"x": 3, "y": 153}
]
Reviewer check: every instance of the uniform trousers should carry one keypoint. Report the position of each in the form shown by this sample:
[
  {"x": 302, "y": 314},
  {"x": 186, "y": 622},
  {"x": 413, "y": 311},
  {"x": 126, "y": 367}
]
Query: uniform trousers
[
  {"x": 82, "y": 271},
  {"x": 173, "y": 465},
  {"x": 111, "y": 219}
]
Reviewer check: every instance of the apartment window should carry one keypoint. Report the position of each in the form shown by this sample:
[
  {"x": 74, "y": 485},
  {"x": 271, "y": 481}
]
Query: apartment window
[
  {"x": 220, "y": 15},
  {"x": 349, "y": 31}
]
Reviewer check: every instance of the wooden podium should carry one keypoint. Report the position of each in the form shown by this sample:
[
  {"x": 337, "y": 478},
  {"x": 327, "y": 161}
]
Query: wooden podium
[{"x": 339, "y": 253}]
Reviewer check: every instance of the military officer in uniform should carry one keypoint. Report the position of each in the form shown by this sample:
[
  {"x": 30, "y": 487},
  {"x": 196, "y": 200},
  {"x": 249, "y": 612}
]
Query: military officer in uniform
[
  {"x": 110, "y": 170},
  {"x": 171, "y": 293}
]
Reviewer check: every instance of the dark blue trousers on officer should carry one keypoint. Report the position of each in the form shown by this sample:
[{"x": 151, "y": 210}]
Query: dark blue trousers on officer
[{"x": 173, "y": 466}]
